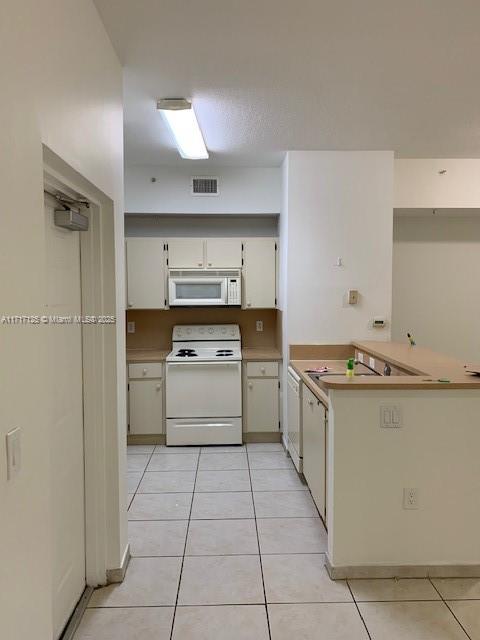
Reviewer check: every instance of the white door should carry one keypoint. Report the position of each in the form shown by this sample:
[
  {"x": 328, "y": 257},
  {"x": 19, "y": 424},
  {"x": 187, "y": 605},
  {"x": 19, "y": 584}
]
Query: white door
[
  {"x": 145, "y": 273},
  {"x": 259, "y": 273},
  {"x": 185, "y": 253},
  {"x": 224, "y": 253},
  {"x": 146, "y": 406},
  {"x": 66, "y": 435},
  {"x": 262, "y": 405}
]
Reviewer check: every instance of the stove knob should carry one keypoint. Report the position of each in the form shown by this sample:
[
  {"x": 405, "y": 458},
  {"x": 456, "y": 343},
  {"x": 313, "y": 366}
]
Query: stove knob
[
  {"x": 189, "y": 330},
  {"x": 224, "y": 330},
  {"x": 210, "y": 330},
  {"x": 202, "y": 330}
]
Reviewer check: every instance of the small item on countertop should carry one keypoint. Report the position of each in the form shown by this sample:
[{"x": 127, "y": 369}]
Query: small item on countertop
[
  {"x": 411, "y": 340},
  {"x": 318, "y": 370},
  {"x": 350, "y": 368},
  {"x": 472, "y": 368},
  {"x": 443, "y": 380}
]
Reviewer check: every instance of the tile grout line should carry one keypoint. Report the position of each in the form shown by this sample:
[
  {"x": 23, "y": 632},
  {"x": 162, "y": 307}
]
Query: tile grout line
[
  {"x": 140, "y": 481},
  {"x": 185, "y": 547},
  {"x": 446, "y": 604},
  {"x": 358, "y": 609},
  {"x": 259, "y": 550}
]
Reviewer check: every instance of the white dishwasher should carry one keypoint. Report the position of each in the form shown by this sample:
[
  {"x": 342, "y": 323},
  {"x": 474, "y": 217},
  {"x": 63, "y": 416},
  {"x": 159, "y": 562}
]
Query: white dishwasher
[{"x": 294, "y": 412}]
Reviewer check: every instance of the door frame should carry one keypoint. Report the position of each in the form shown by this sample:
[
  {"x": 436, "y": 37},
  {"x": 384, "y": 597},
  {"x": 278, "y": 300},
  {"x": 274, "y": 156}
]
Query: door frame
[{"x": 103, "y": 493}]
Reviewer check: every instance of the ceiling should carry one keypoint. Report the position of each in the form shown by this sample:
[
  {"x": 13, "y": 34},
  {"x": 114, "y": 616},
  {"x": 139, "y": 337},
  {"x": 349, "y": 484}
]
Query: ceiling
[{"x": 266, "y": 76}]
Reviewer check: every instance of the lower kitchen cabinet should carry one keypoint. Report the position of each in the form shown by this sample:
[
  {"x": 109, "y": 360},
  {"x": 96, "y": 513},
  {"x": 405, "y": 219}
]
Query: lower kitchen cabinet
[
  {"x": 145, "y": 400},
  {"x": 315, "y": 418},
  {"x": 262, "y": 397}
]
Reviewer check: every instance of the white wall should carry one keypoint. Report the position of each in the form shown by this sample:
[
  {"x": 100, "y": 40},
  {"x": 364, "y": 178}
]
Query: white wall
[
  {"x": 436, "y": 451},
  {"x": 242, "y": 190},
  {"x": 418, "y": 183},
  {"x": 340, "y": 204},
  {"x": 61, "y": 86},
  {"x": 436, "y": 270}
]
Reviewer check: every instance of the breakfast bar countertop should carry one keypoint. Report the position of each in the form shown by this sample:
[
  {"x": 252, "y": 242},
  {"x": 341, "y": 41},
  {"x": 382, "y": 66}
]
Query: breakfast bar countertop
[{"x": 429, "y": 370}]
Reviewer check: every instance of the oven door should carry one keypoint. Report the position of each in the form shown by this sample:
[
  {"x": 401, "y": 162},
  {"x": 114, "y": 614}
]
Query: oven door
[
  {"x": 203, "y": 389},
  {"x": 197, "y": 291}
]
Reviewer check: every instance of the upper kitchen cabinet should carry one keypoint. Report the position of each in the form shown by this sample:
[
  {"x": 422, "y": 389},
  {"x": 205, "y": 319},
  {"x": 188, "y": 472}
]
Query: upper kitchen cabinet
[
  {"x": 259, "y": 273},
  {"x": 186, "y": 253},
  {"x": 145, "y": 259},
  {"x": 223, "y": 253}
]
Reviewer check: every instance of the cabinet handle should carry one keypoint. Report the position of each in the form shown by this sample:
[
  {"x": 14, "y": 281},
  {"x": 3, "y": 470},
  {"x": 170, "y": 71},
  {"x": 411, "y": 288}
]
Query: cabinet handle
[
  {"x": 199, "y": 264},
  {"x": 250, "y": 385},
  {"x": 249, "y": 304},
  {"x": 209, "y": 264},
  {"x": 158, "y": 387},
  {"x": 310, "y": 402},
  {"x": 129, "y": 305},
  {"x": 144, "y": 372},
  {"x": 262, "y": 369}
]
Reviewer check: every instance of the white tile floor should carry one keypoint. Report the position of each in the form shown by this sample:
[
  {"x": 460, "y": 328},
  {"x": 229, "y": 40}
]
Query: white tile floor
[{"x": 226, "y": 542}]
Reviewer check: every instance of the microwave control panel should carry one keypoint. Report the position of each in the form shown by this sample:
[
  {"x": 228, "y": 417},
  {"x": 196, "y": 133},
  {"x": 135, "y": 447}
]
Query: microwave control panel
[{"x": 234, "y": 293}]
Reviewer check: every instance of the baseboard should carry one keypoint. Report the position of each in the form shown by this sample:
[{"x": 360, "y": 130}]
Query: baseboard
[
  {"x": 146, "y": 439},
  {"x": 117, "y": 575},
  {"x": 403, "y": 571},
  {"x": 76, "y": 617},
  {"x": 262, "y": 436}
]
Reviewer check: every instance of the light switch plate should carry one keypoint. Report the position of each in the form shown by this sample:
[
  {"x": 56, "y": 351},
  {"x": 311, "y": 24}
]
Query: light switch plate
[
  {"x": 13, "y": 453},
  {"x": 371, "y": 362},
  {"x": 391, "y": 417},
  {"x": 131, "y": 327},
  {"x": 352, "y": 296},
  {"x": 259, "y": 325},
  {"x": 410, "y": 498}
]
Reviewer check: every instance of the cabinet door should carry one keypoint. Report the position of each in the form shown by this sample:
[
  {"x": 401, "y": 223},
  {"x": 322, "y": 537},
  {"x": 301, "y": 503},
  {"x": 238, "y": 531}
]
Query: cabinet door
[
  {"x": 262, "y": 404},
  {"x": 259, "y": 273},
  {"x": 146, "y": 406},
  {"x": 185, "y": 253},
  {"x": 145, "y": 273},
  {"x": 224, "y": 253},
  {"x": 314, "y": 447}
]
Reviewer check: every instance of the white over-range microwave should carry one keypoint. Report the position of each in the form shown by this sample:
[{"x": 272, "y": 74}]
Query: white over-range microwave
[{"x": 204, "y": 288}]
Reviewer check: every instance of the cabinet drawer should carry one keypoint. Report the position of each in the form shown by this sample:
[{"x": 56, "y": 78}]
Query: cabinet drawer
[
  {"x": 262, "y": 369},
  {"x": 145, "y": 370}
]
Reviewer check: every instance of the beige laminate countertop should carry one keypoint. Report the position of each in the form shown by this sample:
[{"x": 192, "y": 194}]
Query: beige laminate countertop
[
  {"x": 427, "y": 368},
  {"x": 159, "y": 355},
  {"x": 146, "y": 355},
  {"x": 259, "y": 354}
]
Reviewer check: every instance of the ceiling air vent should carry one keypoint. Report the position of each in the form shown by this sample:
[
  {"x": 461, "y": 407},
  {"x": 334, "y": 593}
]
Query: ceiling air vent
[{"x": 204, "y": 186}]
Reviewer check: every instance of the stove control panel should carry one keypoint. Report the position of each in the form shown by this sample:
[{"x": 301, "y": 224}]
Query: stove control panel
[{"x": 184, "y": 333}]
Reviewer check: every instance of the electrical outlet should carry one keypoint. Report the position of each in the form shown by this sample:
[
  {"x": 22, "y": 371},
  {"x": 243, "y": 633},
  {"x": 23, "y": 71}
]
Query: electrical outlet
[
  {"x": 360, "y": 357},
  {"x": 410, "y": 498},
  {"x": 131, "y": 327},
  {"x": 371, "y": 362},
  {"x": 13, "y": 453},
  {"x": 259, "y": 325}
]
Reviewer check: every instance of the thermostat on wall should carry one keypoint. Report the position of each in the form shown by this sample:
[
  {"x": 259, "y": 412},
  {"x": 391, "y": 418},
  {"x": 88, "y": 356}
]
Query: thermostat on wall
[{"x": 378, "y": 323}]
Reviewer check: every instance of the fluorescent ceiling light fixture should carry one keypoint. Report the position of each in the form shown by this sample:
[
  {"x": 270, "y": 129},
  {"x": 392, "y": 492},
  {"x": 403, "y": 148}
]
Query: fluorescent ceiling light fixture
[{"x": 180, "y": 117}]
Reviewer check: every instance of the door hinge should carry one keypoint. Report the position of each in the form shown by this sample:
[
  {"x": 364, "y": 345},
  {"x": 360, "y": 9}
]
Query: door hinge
[
  {"x": 275, "y": 302},
  {"x": 165, "y": 302},
  {"x": 279, "y": 384},
  {"x": 275, "y": 246},
  {"x": 167, "y": 262},
  {"x": 128, "y": 387},
  {"x": 279, "y": 425}
]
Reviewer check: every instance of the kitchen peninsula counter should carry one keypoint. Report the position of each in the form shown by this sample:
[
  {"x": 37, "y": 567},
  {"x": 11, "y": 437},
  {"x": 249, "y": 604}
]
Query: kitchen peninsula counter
[{"x": 424, "y": 369}]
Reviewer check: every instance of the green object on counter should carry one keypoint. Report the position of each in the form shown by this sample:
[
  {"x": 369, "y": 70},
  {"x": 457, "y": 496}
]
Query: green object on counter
[
  {"x": 350, "y": 368},
  {"x": 443, "y": 380}
]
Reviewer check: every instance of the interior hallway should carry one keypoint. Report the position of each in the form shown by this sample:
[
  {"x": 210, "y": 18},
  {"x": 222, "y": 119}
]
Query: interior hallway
[{"x": 226, "y": 542}]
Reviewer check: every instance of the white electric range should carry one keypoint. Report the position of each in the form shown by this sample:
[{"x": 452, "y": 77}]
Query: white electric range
[{"x": 204, "y": 385}]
